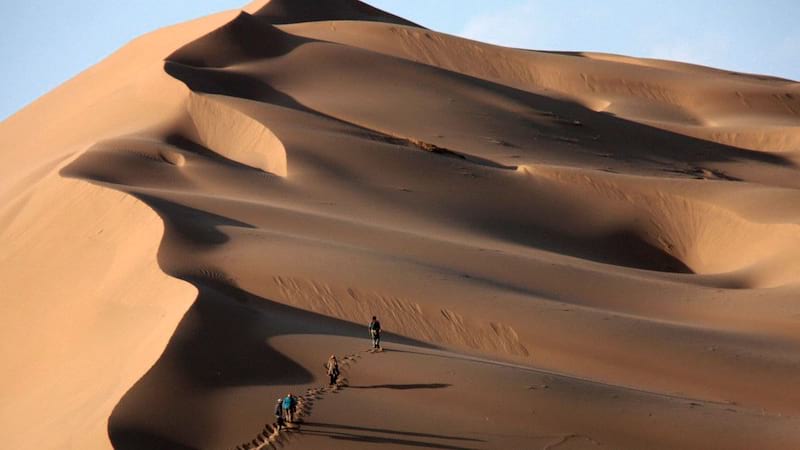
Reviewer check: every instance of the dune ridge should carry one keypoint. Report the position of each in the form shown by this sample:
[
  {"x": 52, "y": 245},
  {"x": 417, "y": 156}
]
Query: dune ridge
[
  {"x": 705, "y": 236},
  {"x": 659, "y": 93},
  {"x": 566, "y": 249}
]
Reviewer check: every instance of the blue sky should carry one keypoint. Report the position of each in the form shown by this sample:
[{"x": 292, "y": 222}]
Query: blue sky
[{"x": 44, "y": 43}]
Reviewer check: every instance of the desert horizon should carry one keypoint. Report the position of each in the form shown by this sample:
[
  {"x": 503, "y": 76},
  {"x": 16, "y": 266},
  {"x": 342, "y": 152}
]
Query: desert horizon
[{"x": 564, "y": 249}]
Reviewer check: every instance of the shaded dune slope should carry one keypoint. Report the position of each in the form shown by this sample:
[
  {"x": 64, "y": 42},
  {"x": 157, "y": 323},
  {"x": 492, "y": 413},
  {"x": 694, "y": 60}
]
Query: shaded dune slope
[
  {"x": 607, "y": 239},
  {"x": 291, "y": 11}
]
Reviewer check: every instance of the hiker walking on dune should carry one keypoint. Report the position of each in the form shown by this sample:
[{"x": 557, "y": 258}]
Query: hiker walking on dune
[
  {"x": 289, "y": 405},
  {"x": 375, "y": 332},
  {"x": 279, "y": 415},
  {"x": 332, "y": 366}
]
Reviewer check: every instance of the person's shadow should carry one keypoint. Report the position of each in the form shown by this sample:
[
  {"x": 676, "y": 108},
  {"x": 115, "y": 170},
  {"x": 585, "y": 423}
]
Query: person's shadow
[
  {"x": 403, "y": 387},
  {"x": 372, "y": 435}
]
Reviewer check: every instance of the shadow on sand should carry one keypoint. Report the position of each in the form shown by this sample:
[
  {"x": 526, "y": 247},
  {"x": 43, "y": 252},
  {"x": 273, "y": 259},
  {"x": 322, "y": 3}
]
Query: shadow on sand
[
  {"x": 403, "y": 387},
  {"x": 351, "y": 433}
]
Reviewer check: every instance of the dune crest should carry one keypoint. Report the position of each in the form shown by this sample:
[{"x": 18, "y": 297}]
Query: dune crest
[
  {"x": 290, "y": 11},
  {"x": 659, "y": 93},
  {"x": 95, "y": 327}
]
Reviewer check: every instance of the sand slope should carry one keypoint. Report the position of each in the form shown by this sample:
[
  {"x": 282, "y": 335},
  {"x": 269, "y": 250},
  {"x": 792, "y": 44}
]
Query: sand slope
[{"x": 567, "y": 250}]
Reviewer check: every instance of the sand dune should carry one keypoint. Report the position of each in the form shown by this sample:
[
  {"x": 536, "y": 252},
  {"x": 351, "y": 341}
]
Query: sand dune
[
  {"x": 692, "y": 100},
  {"x": 567, "y": 250}
]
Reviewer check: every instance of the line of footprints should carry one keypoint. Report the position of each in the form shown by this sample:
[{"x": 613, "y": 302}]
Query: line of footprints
[{"x": 273, "y": 438}]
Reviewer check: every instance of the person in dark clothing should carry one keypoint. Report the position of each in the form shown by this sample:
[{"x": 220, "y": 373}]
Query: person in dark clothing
[
  {"x": 279, "y": 415},
  {"x": 375, "y": 332},
  {"x": 332, "y": 366}
]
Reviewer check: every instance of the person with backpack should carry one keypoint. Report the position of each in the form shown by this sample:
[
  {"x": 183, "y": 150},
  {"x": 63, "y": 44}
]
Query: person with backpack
[
  {"x": 279, "y": 415},
  {"x": 332, "y": 366},
  {"x": 375, "y": 333},
  {"x": 289, "y": 405}
]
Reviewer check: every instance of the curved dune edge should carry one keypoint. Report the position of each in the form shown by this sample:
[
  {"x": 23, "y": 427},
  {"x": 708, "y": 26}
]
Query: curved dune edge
[
  {"x": 123, "y": 94},
  {"x": 683, "y": 98},
  {"x": 97, "y": 311},
  {"x": 708, "y": 238},
  {"x": 235, "y": 135},
  {"x": 81, "y": 284}
]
